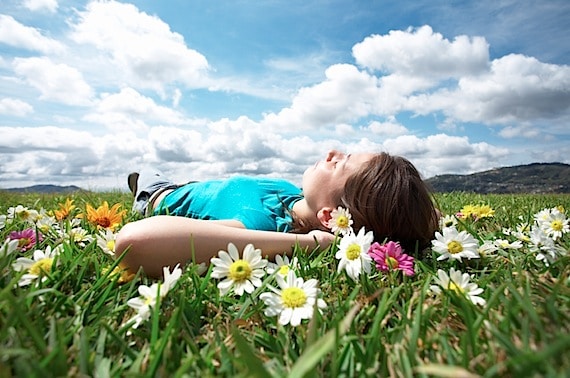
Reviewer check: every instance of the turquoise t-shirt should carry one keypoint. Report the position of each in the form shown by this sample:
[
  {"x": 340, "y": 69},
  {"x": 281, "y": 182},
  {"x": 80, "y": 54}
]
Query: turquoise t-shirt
[{"x": 259, "y": 203}]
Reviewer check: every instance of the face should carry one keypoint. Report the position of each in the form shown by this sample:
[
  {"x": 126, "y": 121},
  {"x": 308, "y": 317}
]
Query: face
[{"x": 323, "y": 182}]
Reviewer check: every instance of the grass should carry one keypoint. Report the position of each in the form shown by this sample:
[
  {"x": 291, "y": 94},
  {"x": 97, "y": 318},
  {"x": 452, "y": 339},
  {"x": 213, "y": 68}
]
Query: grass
[{"x": 73, "y": 323}]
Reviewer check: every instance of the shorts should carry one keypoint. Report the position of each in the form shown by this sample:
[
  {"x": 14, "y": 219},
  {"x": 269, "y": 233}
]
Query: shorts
[{"x": 149, "y": 185}]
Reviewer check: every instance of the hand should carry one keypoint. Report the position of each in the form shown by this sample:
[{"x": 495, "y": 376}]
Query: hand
[{"x": 323, "y": 238}]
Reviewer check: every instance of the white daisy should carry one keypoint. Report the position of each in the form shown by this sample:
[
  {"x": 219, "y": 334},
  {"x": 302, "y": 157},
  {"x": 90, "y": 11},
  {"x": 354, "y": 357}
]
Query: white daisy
[
  {"x": 505, "y": 244},
  {"x": 488, "y": 248},
  {"x": 452, "y": 244},
  {"x": 544, "y": 246},
  {"x": 45, "y": 223},
  {"x": 554, "y": 223},
  {"x": 353, "y": 253},
  {"x": 240, "y": 274},
  {"x": 106, "y": 241},
  {"x": 148, "y": 296},
  {"x": 459, "y": 283},
  {"x": 521, "y": 232},
  {"x": 2, "y": 221},
  {"x": 282, "y": 265},
  {"x": 38, "y": 266},
  {"x": 170, "y": 279},
  {"x": 341, "y": 221},
  {"x": 294, "y": 300},
  {"x": 8, "y": 247},
  {"x": 23, "y": 213},
  {"x": 79, "y": 236},
  {"x": 447, "y": 221}
]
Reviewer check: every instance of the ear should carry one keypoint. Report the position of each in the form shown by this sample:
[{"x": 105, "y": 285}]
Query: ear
[{"x": 324, "y": 216}]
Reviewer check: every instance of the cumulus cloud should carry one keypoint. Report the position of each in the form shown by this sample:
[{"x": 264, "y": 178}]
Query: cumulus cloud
[
  {"x": 390, "y": 127},
  {"x": 17, "y": 35},
  {"x": 417, "y": 62},
  {"x": 56, "y": 81},
  {"x": 443, "y": 153},
  {"x": 130, "y": 110},
  {"x": 128, "y": 72},
  {"x": 38, "y": 5},
  {"x": 345, "y": 96},
  {"x": 47, "y": 138},
  {"x": 520, "y": 131},
  {"x": 141, "y": 46},
  {"x": 515, "y": 89},
  {"x": 421, "y": 52},
  {"x": 15, "y": 107}
]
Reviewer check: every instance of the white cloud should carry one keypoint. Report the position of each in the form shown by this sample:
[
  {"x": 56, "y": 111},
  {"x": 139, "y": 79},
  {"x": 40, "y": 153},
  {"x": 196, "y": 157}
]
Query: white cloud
[
  {"x": 515, "y": 89},
  {"x": 128, "y": 78},
  {"x": 389, "y": 128},
  {"x": 442, "y": 153},
  {"x": 520, "y": 131},
  {"x": 56, "y": 81},
  {"x": 129, "y": 110},
  {"x": 172, "y": 144},
  {"x": 421, "y": 52},
  {"x": 142, "y": 47},
  {"x": 346, "y": 95},
  {"x": 37, "y": 5},
  {"x": 15, "y": 107},
  {"x": 47, "y": 138},
  {"x": 15, "y": 34}
]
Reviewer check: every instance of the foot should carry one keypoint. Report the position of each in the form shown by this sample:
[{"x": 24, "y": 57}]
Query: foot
[{"x": 132, "y": 181}]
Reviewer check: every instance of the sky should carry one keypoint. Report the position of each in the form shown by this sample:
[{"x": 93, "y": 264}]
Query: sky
[{"x": 93, "y": 90}]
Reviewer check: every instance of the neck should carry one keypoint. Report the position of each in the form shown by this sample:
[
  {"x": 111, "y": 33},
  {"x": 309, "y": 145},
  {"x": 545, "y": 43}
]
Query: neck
[{"x": 304, "y": 213}]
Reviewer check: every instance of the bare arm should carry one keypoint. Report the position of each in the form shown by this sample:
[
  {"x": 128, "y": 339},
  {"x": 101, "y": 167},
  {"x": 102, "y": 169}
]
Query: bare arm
[{"x": 168, "y": 240}]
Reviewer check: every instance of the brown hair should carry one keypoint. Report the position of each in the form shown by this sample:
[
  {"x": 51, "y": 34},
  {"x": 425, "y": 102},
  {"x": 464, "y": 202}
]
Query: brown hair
[{"x": 388, "y": 196}]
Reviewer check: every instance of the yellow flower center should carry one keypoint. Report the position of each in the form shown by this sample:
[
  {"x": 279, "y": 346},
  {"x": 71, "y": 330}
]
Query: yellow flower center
[
  {"x": 149, "y": 301},
  {"x": 454, "y": 287},
  {"x": 240, "y": 271},
  {"x": 353, "y": 252},
  {"x": 556, "y": 225},
  {"x": 284, "y": 270},
  {"x": 342, "y": 221},
  {"x": 22, "y": 242},
  {"x": 111, "y": 245},
  {"x": 41, "y": 266},
  {"x": 392, "y": 262},
  {"x": 454, "y": 247},
  {"x": 293, "y": 297}
]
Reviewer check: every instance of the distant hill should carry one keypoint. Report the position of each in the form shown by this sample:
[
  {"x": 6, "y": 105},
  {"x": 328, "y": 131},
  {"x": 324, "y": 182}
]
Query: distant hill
[
  {"x": 532, "y": 178},
  {"x": 45, "y": 189}
]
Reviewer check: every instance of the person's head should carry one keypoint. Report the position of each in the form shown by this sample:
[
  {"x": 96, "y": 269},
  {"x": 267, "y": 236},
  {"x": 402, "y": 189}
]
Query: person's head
[
  {"x": 324, "y": 182},
  {"x": 388, "y": 196},
  {"x": 384, "y": 193}
]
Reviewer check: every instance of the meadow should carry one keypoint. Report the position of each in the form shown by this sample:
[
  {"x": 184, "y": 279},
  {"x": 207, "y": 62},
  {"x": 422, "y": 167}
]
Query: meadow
[{"x": 69, "y": 310}]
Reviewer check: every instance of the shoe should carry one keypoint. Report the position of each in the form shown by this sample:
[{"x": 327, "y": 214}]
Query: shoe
[{"x": 132, "y": 181}]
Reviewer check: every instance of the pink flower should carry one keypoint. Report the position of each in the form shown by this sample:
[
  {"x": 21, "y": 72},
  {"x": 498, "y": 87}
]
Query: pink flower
[
  {"x": 26, "y": 239},
  {"x": 390, "y": 257}
]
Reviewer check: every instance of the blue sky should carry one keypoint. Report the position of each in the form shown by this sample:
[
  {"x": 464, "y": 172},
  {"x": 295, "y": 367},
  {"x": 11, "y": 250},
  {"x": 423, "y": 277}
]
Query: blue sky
[{"x": 91, "y": 90}]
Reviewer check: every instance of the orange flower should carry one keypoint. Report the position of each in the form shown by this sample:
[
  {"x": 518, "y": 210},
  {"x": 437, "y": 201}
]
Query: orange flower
[
  {"x": 104, "y": 217},
  {"x": 65, "y": 210}
]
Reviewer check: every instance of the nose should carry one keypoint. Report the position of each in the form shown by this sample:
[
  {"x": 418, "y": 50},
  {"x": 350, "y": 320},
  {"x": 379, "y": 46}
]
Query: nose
[{"x": 334, "y": 155}]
